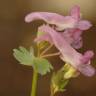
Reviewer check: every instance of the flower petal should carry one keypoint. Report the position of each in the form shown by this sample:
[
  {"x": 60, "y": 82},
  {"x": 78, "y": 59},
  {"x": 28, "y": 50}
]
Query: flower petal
[
  {"x": 73, "y": 36},
  {"x": 77, "y": 44},
  {"x": 87, "y": 56},
  {"x": 87, "y": 70},
  {"x": 61, "y": 22},
  {"x": 46, "y": 16},
  {"x": 67, "y": 23},
  {"x": 84, "y": 25},
  {"x": 75, "y": 12}
]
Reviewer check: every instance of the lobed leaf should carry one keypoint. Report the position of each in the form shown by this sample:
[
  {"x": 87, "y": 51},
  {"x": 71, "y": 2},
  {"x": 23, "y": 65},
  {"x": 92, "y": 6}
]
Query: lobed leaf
[
  {"x": 24, "y": 56},
  {"x": 42, "y": 65}
]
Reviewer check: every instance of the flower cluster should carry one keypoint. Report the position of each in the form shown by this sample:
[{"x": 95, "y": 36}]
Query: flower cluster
[{"x": 68, "y": 40}]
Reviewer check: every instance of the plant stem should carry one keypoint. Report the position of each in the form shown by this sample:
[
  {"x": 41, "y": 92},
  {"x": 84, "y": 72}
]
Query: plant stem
[
  {"x": 52, "y": 94},
  {"x": 34, "y": 83},
  {"x": 35, "y": 77},
  {"x": 49, "y": 55},
  {"x": 46, "y": 50}
]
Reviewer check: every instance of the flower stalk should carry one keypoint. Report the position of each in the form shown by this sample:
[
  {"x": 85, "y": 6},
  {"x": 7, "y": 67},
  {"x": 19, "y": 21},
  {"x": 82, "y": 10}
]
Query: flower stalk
[
  {"x": 34, "y": 83},
  {"x": 50, "y": 55},
  {"x": 35, "y": 76},
  {"x": 47, "y": 49}
]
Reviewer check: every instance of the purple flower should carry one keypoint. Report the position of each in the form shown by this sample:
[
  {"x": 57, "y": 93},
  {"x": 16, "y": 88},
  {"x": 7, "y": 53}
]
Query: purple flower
[
  {"x": 61, "y": 22},
  {"x": 65, "y": 42},
  {"x": 68, "y": 53},
  {"x": 74, "y": 38},
  {"x": 73, "y": 26}
]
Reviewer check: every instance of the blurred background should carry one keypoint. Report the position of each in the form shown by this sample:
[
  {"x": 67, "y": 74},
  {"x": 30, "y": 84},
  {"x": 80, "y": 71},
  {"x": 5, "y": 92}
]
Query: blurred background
[{"x": 15, "y": 79}]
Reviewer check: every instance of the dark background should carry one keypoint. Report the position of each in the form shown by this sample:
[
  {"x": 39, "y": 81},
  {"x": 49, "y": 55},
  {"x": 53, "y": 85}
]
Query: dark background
[{"x": 15, "y": 79}]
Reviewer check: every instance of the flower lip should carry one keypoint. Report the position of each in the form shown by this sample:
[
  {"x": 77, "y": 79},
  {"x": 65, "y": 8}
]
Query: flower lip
[
  {"x": 84, "y": 25},
  {"x": 87, "y": 56}
]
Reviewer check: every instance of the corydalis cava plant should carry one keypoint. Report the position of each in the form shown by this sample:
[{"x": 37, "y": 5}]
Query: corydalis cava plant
[{"x": 67, "y": 42}]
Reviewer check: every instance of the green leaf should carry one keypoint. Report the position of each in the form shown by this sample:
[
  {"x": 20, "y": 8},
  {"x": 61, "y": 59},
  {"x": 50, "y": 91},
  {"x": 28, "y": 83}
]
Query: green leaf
[
  {"x": 42, "y": 65},
  {"x": 24, "y": 56}
]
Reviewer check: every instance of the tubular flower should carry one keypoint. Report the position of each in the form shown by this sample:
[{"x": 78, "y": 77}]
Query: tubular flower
[
  {"x": 61, "y": 22},
  {"x": 73, "y": 37},
  {"x": 72, "y": 25},
  {"x": 68, "y": 53}
]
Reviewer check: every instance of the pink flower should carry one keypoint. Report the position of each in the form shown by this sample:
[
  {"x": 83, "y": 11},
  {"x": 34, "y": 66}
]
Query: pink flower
[
  {"x": 72, "y": 25},
  {"x": 61, "y": 22},
  {"x": 65, "y": 42},
  {"x": 68, "y": 53},
  {"x": 72, "y": 36}
]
